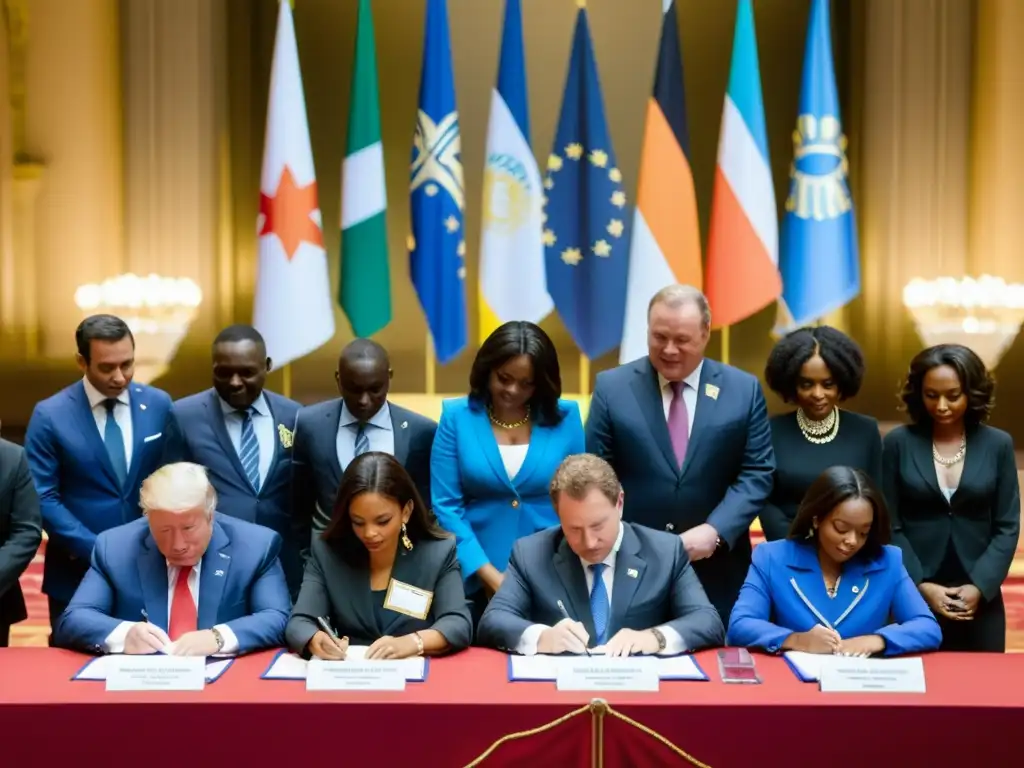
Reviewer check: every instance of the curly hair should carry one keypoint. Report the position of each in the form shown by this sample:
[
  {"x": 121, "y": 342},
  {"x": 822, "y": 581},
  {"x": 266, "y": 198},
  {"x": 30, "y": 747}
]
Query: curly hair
[
  {"x": 976, "y": 380},
  {"x": 840, "y": 353}
]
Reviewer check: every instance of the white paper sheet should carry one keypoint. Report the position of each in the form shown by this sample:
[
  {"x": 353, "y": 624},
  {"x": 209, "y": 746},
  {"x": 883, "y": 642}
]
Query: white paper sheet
[
  {"x": 98, "y": 668},
  {"x": 808, "y": 665},
  {"x": 542, "y": 668},
  {"x": 288, "y": 666}
]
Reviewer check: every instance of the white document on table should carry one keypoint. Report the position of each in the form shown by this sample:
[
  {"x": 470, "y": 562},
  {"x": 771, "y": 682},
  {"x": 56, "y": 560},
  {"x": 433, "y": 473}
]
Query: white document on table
[
  {"x": 100, "y": 667},
  {"x": 806, "y": 666},
  {"x": 543, "y": 667},
  {"x": 288, "y": 666}
]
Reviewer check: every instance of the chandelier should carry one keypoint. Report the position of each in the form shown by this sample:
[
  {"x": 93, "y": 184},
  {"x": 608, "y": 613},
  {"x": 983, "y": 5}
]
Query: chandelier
[
  {"x": 984, "y": 314},
  {"x": 159, "y": 311}
]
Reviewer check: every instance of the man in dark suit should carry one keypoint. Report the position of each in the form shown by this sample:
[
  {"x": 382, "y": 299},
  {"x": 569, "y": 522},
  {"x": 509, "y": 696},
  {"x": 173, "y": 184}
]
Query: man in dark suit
[
  {"x": 242, "y": 434},
  {"x": 690, "y": 441},
  {"x": 597, "y": 581},
  {"x": 329, "y": 435},
  {"x": 180, "y": 581},
  {"x": 21, "y": 530},
  {"x": 89, "y": 447}
]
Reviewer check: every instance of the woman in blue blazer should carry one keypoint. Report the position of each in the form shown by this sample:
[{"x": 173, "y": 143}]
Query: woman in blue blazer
[
  {"x": 496, "y": 450},
  {"x": 834, "y": 585}
]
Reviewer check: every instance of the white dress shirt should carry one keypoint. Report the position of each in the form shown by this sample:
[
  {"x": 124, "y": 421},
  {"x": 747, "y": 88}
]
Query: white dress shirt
[
  {"x": 115, "y": 640},
  {"x": 379, "y": 432},
  {"x": 263, "y": 427},
  {"x": 527, "y": 644},
  {"x": 690, "y": 389},
  {"x": 122, "y": 415}
]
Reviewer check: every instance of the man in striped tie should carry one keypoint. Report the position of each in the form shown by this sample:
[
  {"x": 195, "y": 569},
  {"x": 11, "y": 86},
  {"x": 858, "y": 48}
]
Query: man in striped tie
[
  {"x": 597, "y": 582},
  {"x": 242, "y": 433},
  {"x": 329, "y": 435}
]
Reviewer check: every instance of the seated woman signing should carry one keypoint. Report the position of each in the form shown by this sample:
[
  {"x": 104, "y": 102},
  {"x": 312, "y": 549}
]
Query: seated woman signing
[
  {"x": 381, "y": 575},
  {"x": 833, "y": 585}
]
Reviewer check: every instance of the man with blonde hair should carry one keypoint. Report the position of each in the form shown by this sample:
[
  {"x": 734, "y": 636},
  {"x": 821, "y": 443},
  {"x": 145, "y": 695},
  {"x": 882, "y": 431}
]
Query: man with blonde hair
[
  {"x": 180, "y": 580},
  {"x": 598, "y": 582}
]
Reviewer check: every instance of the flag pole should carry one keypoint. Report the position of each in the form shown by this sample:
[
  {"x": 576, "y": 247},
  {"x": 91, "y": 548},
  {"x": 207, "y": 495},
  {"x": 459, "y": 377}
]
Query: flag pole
[
  {"x": 725, "y": 344},
  {"x": 584, "y": 376},
  {"x": 286, "y": 381},
  {"x": 430, "y": 360}
]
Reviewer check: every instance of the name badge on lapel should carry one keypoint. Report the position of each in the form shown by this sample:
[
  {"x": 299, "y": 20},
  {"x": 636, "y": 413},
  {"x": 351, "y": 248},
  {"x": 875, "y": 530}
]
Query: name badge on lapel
[
  {"x": 407, "y": 599},
  {"x": 711, "y": 391}
]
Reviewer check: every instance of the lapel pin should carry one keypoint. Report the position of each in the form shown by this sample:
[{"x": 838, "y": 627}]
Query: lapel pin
[
  {"x": 405, "y": 425},
  {"x": 856, "y": 589},
  {"x": 632, "y": 573},
  {"x": 142, "y": 406},
  {"x": 711, "y": 391},
  {"x": 218, "y": 573}
]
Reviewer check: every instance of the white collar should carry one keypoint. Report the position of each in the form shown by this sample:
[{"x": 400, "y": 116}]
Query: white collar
[
  {"x": 610, "y": 558},
  {"x": 259, "y": 405},
  {"x": 96, "y": 397},
  {"x": 692, "y": 381},
  {"x": 381, "y": 419}
]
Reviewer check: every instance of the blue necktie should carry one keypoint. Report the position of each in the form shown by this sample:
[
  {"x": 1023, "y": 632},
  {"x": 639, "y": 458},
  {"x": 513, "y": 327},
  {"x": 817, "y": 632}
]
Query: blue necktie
[
  {"x": 113, "y": 438},
  {"x": 599, "y": 608},
  {"x": 362, "y": 441},
  {"x": 249, "y": 450}
]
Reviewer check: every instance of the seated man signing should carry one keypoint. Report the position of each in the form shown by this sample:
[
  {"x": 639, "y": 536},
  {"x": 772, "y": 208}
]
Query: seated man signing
[
  {"x": 180, "y": 580},
  {"x": 597, "y": 581}
]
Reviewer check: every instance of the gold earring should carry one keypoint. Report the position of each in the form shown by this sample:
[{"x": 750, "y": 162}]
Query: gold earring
[{"x": 406, "y": 541}]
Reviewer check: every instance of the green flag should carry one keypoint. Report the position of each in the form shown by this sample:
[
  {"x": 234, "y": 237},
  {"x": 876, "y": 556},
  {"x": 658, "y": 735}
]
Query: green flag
[{"x": 365, "y": 289}]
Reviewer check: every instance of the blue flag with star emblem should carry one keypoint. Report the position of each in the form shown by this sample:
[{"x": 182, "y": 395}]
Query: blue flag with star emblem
[
  {"x": 437, "y": 246},
  {"x": 586, "y": 249}
]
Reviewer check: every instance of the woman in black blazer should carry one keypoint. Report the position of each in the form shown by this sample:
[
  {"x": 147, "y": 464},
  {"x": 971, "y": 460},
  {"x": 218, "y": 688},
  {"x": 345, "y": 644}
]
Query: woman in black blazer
[
  {"x": 951, "y": 485},
  {"x": 382, "y": 574},
  {"x": 815, "y": 369}
]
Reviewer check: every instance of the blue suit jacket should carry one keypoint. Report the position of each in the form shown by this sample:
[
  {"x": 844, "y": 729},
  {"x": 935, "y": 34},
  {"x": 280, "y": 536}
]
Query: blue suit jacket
[
  {"x": 79, "y": 494},
  {"x": 240, "y": 584},
  {"x": 200, "y": 435},
  {"x": 727, "y": 475},
  {"x": 876, "y": 597},
  {"x": 653, "y": 585},
  {"x": 473, "y": 496}
]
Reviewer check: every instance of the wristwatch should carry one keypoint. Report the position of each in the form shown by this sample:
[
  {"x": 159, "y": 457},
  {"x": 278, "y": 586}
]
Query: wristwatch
[
  {"x": 660, "y": 638},
  {"x": 219, "y": 638}
]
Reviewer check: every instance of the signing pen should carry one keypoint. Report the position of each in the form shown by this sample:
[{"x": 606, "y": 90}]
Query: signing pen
[
  {"x": 326, "y": 627},
  {"x": 565, "y": 613}
]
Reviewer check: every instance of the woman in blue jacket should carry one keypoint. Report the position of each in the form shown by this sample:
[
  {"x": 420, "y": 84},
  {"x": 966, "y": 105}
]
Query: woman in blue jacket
[
  {"x": 834, "y": 585},
  {"x": 496, "y": 450}
]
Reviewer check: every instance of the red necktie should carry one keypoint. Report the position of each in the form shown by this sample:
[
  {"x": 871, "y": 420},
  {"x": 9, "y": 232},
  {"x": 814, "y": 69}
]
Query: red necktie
[{"x": 183, "y": 607}]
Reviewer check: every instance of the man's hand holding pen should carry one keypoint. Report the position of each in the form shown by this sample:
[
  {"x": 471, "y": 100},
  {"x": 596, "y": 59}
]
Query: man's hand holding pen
[{"x": 567, "y": 636}]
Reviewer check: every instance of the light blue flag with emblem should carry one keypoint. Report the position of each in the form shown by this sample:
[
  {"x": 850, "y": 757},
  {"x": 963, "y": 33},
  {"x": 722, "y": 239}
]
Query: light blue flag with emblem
[
  {"x": 818, "y": 256},
  {"x": 437, "y": 247}
]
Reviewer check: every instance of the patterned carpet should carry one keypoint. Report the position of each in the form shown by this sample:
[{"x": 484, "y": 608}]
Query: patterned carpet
[{"x": 36, "y": 629}]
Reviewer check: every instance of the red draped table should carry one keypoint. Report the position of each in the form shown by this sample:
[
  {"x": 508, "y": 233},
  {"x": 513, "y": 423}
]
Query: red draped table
[{"x": 971, "y": 715}]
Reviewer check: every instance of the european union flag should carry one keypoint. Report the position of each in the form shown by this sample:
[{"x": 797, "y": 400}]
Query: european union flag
[
  {"x": 585, "y": 246},
  {"x": 819, "y": 258},
  {"x": 437, "y": 246}
]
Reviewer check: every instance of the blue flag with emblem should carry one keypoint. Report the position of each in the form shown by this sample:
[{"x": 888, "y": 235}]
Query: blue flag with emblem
[
  {"x": 437, "y": 246},
  {"x": 818, "y": 255},
  {"x": 586, "y": 250}
]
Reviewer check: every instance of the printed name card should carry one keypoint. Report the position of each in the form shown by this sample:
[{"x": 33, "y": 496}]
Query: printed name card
[
  {"x": 355, "y": 676},
  {"x": 157, "y": 673},
  {"x": 840, "y": 674},
  {"x": 609, "y": 674}
]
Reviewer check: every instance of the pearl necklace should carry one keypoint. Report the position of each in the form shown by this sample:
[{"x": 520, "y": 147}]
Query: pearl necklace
[
  {"x": 508, "y": 424},
  {"x": 956, "y": 458},
  {"x": 819, "y": 432}
]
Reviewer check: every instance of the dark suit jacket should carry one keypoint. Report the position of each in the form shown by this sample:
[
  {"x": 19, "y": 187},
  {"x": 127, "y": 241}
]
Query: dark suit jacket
[
  {"x": 240, "y": 584},
  {"x": 21, "y": 529},
  {"x": 334, "y": 588},
  {"x": 725, "y": 479},
  {"x": 79, "y": 493},
  {"x": 544, "y": 569},
  {"x": 200, "y": 435},
  {"x": 317, "y": 472},
  {"x": 982, "y": 518}
]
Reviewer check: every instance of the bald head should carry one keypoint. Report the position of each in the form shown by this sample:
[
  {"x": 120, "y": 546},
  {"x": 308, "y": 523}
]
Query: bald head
[{"x": 364, "y": 377}]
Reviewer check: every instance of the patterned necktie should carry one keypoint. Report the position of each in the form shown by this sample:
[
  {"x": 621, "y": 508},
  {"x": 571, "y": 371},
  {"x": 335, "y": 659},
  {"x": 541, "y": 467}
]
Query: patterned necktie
[
  {"x": 113, "y": 438},
  {"x": 599, "y": 607},
  {"x": 249, "y": 450},
  {"x": 183, "y": 608},
  {"x": 362, "y": 441},
  {"x": 678, "y": 422}
]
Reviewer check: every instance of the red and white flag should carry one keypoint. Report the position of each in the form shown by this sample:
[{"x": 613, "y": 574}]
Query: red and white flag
[{"x": 293, "y": 308}]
